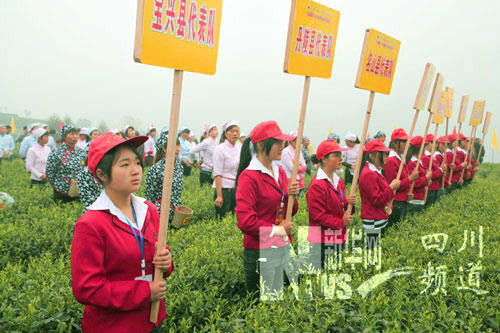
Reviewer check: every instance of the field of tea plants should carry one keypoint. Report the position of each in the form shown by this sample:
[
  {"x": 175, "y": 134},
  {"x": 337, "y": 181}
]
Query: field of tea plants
[{"x": 439, "y": 271}]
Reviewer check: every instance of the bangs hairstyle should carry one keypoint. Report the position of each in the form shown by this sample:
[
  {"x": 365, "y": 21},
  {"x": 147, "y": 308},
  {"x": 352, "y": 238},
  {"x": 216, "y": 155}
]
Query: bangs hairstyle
[
  {"x": 246, "y": 154},
  {"x": 371, "y": 157},
  {"x": 223, "y": 135},
  {"x": 315, "y": 160},
  {"x": 107, "y": 161}
]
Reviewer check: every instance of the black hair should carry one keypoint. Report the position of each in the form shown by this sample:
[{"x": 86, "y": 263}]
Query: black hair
[
  {"x": 315, "y": 160},
  {"x": 223, "y": 135},
  {"x": 109, "y": 159},
  {"x": 412, "y": 151},
  {"x": 357, "y": 140},
  {"x": 371, "y": 157},
  {"x": 161, "y": 154},
  {"x": 246, "y": 154},
  {"x": 25, "y": 127}
]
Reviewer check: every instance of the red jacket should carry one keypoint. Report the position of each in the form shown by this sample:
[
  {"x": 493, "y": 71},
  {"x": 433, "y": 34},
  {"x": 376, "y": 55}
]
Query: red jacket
[
  {"x": 420, "y": 182},
  {"x": 375, "y": 194},
  {"x": 439, "y": 160},
  {"x": 437, "y": 173},
  {"x": 471, "y": 170},
  {"x": 326, "y": 211},
  {"x": 105, "y": 260},
  {"x": 391, "y": 171},
  {"x": 459, "y": 158},
  {"x": 258, "y": 199}
]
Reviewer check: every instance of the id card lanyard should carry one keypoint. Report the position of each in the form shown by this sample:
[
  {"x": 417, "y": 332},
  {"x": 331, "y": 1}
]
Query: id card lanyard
[{"x": 141, "y": 242}]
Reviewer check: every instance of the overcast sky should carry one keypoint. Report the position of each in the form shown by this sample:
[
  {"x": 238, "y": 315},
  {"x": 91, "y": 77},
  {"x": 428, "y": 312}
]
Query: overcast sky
[{"x": 75, "y": 58}]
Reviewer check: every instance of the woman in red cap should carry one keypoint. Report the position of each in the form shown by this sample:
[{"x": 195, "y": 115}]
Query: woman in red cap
[
  {"x": 261, "y": 202},
  {"x": 327, "y": 203},
  {"x": 417, "y": 202},
  {"x": 459, "y": 163},
  {"x": 437, "y": 171},
  {"x": 376, "y": 194},
  {"x": 398, "y": 143},
  {"x": 441, "y": 159},
  {"x": 114, "y": 252}
]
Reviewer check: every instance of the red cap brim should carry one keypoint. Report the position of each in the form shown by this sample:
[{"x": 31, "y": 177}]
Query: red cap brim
[
  {"x": 284, "y": 137},
  {"x": 137, "y": 141}
]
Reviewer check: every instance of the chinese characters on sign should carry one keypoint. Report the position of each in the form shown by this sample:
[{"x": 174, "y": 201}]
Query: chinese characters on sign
[
  {"x": 378, "y": 62},
  {"x": 312, "y": 35},
  {"x": 179, "y": 34},
  {"x": 476, "y": 116}
]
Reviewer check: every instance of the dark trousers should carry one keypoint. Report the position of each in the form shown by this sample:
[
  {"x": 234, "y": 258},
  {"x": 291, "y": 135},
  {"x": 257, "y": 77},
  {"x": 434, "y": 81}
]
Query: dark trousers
[
  {"x": 432, "y": 197},
  {"x": 62, "y": 198},
  {"x": 148, "y": 161},
  {"x": 186, "y": 170},
  {"x": 268, "y": 264},
  {"x": 347, "y": 176},
  {"x": 205, "y": 177},
  {"x": 399, "y": 210},
  {"x": 323, "y": 253},
  {"x": 37, "y": 182},
  {"x": 229, "y": 202},
  {"x": 413, "y": 208}
]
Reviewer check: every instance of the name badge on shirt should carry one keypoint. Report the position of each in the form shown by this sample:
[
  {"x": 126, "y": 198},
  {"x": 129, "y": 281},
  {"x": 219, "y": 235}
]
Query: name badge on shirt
[{"x": 148, "y": 278}]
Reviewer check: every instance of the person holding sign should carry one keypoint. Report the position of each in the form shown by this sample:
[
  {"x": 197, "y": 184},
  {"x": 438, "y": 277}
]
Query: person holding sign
[
  {"x": 376, "y": 194},
  {"x": 437, "y": 171},
  {"x": 416, "y": 203},
  {"x": 114, "y": 251},
  {"x": 440, "y": 159},
  {"x": 226, "y": 160},
  {"x": 399, "y": 140},
  {"x": 462, "y": 157},
  {"x": 453, "y": 161},
  {"x": 327, "y": 203},
  {"x": 261, "y": 202},
  {"x": 154, "y": 176}
]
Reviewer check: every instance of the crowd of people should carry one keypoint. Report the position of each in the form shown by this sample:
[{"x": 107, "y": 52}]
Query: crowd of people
[{"x": 114, "y": 248}]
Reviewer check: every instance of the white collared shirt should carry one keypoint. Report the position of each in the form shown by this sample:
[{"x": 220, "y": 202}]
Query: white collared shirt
[
  {"x": 103, "y": 202},
  {"x": 392, "y": 153},
  {"x": 257, "y": 165},
  {"x": 322, "y": 175},
  {"x": 226, "y": 159},
  {"x": 374, "y": 168},
  {"x": 463, "y": 151}
]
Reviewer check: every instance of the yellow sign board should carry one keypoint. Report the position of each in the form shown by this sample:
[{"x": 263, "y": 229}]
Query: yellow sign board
[
  {"x": 425, "y": 86},
  {"x": 436, "y": 93},
  {"x": 311, "y": 39},
  {"x": 476, "y": 117},
  {"x": 463, "y": 108},
  {"x": 178, "y": 34},
  {"x": 487, "y": 122},
  {"x": 377, "y": 63},
  {"x": 449, "y": 103},
  {"x": 441, "y": 108}
]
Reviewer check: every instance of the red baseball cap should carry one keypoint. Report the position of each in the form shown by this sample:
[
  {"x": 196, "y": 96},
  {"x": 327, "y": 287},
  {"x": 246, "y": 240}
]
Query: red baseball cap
[
  {"x": 399, "y": 134},
  {"x": 416, "y": 141},
  {"x": 429, "y": 138},
  {"x": 326, "y": 147},
  {"x": 375, "y": 145},
  {"x": 442, "y": 139},
  {"x": 268, "y": 129},
  {"x": 452, "y": 137},
  {"x": 104, "y": 143},
  {"x": 463, "y": 137}
]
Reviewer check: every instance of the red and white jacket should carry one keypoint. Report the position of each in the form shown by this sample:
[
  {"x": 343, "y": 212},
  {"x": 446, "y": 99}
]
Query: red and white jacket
[
  {"x": 326, "y": 202},
  {"x": 420, "y": 182},
  {"x": 375, "y": 193},
  {"x": 439, "y": 160},
  {"x": 437, "y": 173},
  {"x": 391, "y": 171},
  {"x": 258, "y": 197},
  {"x": 105, "y": 260},
  {"x": 459, "y": 159}
]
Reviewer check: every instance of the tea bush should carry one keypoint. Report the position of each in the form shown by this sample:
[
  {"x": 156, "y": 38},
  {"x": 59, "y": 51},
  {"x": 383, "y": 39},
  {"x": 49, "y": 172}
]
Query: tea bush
[{"x": 206, "y": 292}]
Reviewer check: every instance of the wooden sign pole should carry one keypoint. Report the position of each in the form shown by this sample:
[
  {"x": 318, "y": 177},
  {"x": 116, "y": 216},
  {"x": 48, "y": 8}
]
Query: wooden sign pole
[
  {"x": 480, "y": 149},
  {"x": 300, "y": 132},
  {"x": 167, "y": 179},
  {"x": 444, "y": 158},
  {"x": 410, "y": 193},
  {"x": 361, "y": 148},
  {"x": 400, "y": 170},
  {"x": 433, "y": 150},
  {"x": 468, "y": 152}
]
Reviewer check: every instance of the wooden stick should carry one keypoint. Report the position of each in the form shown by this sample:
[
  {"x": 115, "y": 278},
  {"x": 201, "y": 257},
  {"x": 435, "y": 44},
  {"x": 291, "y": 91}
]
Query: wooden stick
[
  {"x": 455, "y": 152},
  {"x": 167, "y": 179},
  {"x": 468, "y": 152},
  {"x": 433, "y": 150},
  {"x": 361, "y": 148},
  {"x": 444, "y": 159},
  {"x": 300, "y": 132},
  {"x": 420, "y": 152},
  {"x": 407, "y": 145},
  {"x": 480, "y": 149}
]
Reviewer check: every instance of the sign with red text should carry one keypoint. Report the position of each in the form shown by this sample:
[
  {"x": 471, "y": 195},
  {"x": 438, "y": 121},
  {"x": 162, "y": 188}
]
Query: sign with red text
[
  {"x": 178, "y": 34},
  {"x": 487, "y": 122},
  {"x": 311, "y": 39},
  {"x": 441, "y": 108},
  {"x": 377, "y": 63}
]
